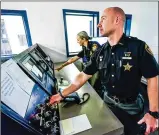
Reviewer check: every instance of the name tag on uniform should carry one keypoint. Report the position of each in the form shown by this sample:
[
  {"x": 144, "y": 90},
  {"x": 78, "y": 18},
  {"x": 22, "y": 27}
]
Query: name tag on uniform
[{"x": 126, "y": 58}]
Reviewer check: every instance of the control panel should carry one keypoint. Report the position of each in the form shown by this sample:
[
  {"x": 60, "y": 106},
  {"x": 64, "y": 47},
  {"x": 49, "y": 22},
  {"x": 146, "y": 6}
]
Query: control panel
[
  {"x": 46, "y": 118},
  {"x": 28, "y": 81}
]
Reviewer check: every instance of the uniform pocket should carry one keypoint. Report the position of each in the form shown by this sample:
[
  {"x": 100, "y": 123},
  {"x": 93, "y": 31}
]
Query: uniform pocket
[{"x": 103, "y": 72}]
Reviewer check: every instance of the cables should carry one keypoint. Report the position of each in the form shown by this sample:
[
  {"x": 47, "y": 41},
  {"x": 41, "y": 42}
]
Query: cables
[{"x": 85, "y": 98}]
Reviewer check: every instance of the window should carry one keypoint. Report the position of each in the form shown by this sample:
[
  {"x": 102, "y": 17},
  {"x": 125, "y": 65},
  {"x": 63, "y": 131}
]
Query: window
[
  {"x": 15, "y": 33},
  {"x": 127, "y": 26},
  {"x": 76, "y": 21}
]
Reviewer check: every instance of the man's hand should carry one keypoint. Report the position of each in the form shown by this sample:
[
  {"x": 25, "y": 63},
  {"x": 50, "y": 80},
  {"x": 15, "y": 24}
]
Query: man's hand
[
  {"x": 151, "y": 123},
  {"x": 55, "y": 99},
  {"x": 59, "y": 68}
]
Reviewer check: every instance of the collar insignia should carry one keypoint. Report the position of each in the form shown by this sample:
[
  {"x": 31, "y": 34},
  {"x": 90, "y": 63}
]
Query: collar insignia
[{"x": 127, "y": 54}]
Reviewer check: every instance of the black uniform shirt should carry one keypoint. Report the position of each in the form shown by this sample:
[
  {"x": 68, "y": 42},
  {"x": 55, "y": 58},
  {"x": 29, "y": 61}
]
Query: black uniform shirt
[
  {"x": 122, "y": 66},
  {"x": 87, "y": 52}
]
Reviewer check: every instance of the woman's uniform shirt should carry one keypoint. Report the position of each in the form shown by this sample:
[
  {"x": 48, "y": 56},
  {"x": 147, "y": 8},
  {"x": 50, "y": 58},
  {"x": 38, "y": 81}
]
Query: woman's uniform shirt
[{"x": 87, "y": 52}]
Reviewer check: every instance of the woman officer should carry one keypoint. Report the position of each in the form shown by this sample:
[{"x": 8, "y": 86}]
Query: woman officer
[{"x": 88, "y": 48}]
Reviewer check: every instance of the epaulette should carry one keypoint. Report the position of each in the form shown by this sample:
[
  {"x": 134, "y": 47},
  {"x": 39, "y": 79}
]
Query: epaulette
[{"x": 133, "y": 37}]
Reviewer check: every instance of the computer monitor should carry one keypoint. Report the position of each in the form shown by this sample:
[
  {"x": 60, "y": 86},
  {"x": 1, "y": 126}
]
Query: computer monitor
[
  {"x": 100, "y": 40},
  {"x": 31, "y": 65},
  {"x": 38, "y": 69}
]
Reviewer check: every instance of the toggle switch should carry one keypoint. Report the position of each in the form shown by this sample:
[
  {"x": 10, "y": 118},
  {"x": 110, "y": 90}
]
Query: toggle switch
[{"x": 61, "y": 80}]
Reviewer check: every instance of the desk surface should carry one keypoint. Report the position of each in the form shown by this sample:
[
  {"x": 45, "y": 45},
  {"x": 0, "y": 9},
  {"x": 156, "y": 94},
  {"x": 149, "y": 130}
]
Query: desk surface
[{"x": 102, "y": 120}]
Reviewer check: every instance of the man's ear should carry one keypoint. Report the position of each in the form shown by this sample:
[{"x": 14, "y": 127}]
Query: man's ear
[{"x": 118, "y": 18}]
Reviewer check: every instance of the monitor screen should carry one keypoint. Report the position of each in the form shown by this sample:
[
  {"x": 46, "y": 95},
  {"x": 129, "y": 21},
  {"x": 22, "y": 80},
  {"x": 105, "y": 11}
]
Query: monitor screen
[
  {"x": 39, "y": 60},
  {"x": 100, "y": 40},
  {"x": 32, "y": 67}
]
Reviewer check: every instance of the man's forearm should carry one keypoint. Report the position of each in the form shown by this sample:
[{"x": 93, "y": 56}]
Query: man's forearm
[
  {"x": 152, "y": 87},
  {"x": 78, "y": 82}
]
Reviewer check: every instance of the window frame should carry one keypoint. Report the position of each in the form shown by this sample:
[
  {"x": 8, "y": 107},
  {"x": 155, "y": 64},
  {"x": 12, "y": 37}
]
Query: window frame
[
  {"x": 127, "y": 27},
  {"x": 78, "y": 13},
  {"x": 23, "y": 14}
]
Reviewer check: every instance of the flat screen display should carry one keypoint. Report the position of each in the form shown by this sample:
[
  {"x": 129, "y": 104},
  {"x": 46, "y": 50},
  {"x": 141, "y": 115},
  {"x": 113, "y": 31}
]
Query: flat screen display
[{"x": 32, "y": 67}]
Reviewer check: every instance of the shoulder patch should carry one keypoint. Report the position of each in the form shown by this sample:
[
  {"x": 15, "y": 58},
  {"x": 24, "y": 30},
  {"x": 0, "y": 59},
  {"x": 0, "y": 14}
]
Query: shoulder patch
[
  {"x": 147, "y": 48},
  {"x": 94, "y": 47}
]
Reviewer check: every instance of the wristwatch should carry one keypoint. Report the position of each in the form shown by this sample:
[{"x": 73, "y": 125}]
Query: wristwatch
[
  {"x": 61, "y": 94},
  {"x": 154, "y": 114}
]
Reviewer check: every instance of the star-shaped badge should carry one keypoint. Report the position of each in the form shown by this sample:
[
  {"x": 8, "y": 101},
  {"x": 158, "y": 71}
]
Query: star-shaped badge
[{"x": 127, "y": 66}]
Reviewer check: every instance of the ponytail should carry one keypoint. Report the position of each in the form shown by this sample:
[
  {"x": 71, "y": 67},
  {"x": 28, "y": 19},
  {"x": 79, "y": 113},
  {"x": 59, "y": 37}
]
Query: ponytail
[{"x": 83, "y": 34}]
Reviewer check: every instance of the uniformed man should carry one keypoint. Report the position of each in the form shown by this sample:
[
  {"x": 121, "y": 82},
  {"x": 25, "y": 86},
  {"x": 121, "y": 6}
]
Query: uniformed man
[{"x": 122, "y": 61}]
